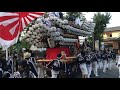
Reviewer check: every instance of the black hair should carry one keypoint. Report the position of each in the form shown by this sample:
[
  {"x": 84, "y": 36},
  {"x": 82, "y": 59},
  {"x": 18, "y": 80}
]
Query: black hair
[
  {"x": 23, "y": 63},
  {"x": 6, "y": 75},
  {"x": 71, "y": 18},
  {"x": 1, "y": 74},
  {"x": 25, "y": 66},
  {"x": 15, "y": 57},
  {"x": 104, "y": 51},
  {"x": 59, "y": 55},
  {"x": 61, "y": 15},
  {"x": 0, "y": 58},
  {"x": 30, "y": 51},
  {"x": 6, "y": 68},
  {"x": 27, "y": 50},
  {"x": 32, "y": 54},
  {"x": 83, "y": 53},
  {"x": 3, "y": 63},
  {"x": 48, "y": 36}
]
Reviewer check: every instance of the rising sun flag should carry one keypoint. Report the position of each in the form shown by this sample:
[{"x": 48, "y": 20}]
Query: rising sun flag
[{"x": 11, "y": 25}]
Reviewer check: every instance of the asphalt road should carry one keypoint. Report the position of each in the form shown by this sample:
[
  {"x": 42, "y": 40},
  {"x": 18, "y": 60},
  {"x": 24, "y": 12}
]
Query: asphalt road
[{"x": 113, "y": 73}]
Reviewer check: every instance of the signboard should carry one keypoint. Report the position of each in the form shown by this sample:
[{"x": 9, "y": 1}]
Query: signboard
[{"x": 97, "y": 45}]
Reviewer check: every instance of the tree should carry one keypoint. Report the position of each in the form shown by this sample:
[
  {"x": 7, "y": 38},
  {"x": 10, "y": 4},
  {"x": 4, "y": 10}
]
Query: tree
[
  {"x": 75, "y": 14},
  {"x": 19, "y": 45},
  {"x": 101, "y": 21}
]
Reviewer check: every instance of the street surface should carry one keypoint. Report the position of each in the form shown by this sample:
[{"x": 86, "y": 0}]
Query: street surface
[{"x": 113, "y": 73}]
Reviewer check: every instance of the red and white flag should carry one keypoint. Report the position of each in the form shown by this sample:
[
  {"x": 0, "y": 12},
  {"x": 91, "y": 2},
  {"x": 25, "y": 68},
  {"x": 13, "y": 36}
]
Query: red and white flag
[{"x": 11, "y": 25}]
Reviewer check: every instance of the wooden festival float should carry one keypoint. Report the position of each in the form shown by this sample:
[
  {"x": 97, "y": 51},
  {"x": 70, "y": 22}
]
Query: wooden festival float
[{"x": 56, "y": 35}]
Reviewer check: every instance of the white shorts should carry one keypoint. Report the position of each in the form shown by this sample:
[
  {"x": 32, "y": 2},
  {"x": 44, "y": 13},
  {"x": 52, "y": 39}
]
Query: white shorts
[
  {"x": 109, "y": 60},
  {"x": 83, "y": 68},
  {"x": 94, "y": 64}
]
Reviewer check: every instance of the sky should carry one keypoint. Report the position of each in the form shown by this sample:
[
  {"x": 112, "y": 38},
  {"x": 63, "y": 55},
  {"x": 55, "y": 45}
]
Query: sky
[{"x": 114, "y": 21}]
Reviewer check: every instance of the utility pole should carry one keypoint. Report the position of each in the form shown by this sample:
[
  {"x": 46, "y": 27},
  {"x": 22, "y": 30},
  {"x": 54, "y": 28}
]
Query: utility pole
[{"x": 93, "y": 42}]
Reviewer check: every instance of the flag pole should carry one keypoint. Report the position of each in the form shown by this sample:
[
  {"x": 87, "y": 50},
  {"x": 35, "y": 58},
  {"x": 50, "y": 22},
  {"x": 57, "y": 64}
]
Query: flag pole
[{"x": 7, "y": 54}]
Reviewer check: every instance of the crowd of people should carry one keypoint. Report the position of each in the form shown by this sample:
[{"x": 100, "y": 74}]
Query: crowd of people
[
  {"x": 94, "y": 60},
  {"x": 26, "y": 66},
  {"x": 18, "y": 66}
]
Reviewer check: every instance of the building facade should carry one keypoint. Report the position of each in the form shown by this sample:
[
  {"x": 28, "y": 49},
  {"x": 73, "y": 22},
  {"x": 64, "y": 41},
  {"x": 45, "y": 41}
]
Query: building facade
[{"x": 111, "y": 38}]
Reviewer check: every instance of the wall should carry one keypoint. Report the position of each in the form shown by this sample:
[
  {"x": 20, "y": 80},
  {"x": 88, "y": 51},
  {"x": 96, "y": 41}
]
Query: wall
[
  {"x": 114, "y": 34},
  {"x": 115, "y": 45}
]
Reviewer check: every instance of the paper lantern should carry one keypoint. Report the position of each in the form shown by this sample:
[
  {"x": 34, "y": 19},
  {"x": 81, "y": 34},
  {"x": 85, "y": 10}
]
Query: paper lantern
[
  {"x": 27, "y": 40},
  {"x": 31, "y": 28},
  {"x": 25, "y": 29},
  {"x": 37, "y": 31},
  {"x": 41, "y": 30},
  {"x": 39, "y": 20},
  {"x": 27, "y": 35},
  {"x": 36, "y": 44},
  {"x": 31, "y": 39},
  {"x": 33, "y": 36},
  {"x": 36, "y": 25},
  {"x": 34, "y": 33},
  {"x": 53, "y": 29},
  {"x": 53, "y": 34},
  {"x": 36, "y": 40},
  {"x": 65, "y": 21},
  {"x": 40, "y": 25},
  {"x": 39, "y": 35},
  {"x": 30, "y": 43},
  {"x": 29, "y": 32}
]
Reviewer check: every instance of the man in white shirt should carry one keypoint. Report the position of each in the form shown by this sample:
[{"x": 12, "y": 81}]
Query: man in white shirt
[
  {"x": 55, "y": 66},
  {"x": 118, "y": 62}
]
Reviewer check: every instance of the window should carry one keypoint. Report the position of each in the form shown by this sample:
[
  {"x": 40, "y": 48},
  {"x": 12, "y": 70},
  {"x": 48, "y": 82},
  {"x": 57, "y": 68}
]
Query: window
[{"x": 110, "y": 35}]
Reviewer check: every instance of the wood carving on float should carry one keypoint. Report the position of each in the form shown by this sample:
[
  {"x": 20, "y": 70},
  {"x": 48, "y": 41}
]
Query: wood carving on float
[
  {"x": 63, "y": 55},
  {"x": 50, "y": 31}
]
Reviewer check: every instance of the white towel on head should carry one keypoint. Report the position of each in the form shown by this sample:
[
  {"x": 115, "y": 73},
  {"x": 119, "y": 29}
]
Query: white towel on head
[
  {"x": 78, "y": 22},
  {"x": 16, "y": 75},
  {"x": 27, "y": 55}
]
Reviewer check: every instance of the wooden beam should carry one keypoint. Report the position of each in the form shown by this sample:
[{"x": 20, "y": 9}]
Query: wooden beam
[{"x": 48, "y": 60}]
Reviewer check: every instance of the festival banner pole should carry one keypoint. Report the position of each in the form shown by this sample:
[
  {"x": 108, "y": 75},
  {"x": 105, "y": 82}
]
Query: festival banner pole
[{"x": 6, "y": 53}]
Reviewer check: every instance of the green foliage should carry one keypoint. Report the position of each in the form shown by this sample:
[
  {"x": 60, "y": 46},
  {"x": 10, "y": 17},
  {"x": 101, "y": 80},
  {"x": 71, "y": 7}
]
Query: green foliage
[
  {"x": 101, "y": 20},
  {"x": 89, "y": 40},
  {"x": 19, "y": 45},
  {"x": 75, "y": 14}
]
